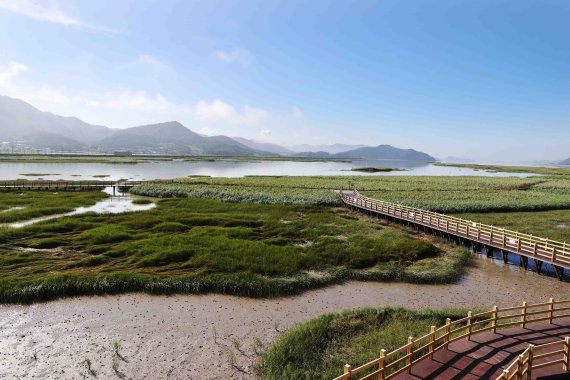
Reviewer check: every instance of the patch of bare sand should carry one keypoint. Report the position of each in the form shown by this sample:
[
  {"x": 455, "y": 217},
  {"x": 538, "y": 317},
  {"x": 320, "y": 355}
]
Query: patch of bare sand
[{"x": 173, "y": 337}]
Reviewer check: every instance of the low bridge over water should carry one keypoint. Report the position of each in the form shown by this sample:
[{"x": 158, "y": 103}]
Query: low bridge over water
[
  {"x": 67, "y": 185},
  {"x": 539, "y": 250}
]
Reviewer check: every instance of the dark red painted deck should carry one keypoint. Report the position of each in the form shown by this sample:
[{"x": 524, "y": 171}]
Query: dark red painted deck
[{"x": 486, "y": 355}]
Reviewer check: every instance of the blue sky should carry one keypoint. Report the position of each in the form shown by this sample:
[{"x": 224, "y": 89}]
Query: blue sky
[{"x": 488, "y": 79}]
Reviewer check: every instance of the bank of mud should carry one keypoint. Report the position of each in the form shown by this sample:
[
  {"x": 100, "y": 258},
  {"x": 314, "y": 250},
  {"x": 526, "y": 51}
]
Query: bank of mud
[{"x": 190, "y": 336}]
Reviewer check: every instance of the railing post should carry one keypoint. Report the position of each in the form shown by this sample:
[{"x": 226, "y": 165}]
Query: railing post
[
  {"x": 447, "y": 331},
  {"x": 494, "y": 322},
  {"x": 381, "y": 364},
  {"x": 347, "y": 371},
  {"x": 520, "y": 361},
  {"x": 523, "y": 315},
  {"x": 566, "y": 364},
  {"x": 469, "y": 314},
  {"x": 529, "y": 363},
  {"x": 505, "y": 375},
  {"x": 410, "y": 353},
  {"x": 431, "y": 341},
  {"x": 550, "y": 310}
]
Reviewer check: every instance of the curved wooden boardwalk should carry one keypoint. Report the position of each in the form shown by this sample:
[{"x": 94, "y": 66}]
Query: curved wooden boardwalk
[
  {"x": 539, "y": 250},
  {"x": 485, "y": 356}
]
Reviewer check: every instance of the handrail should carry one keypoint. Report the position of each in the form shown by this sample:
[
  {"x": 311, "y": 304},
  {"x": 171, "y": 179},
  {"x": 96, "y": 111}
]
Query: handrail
[
  {"x": 388, "y": 365},
  {"x": 543, "y": 249},
  {"x": 528, "y": 359}
]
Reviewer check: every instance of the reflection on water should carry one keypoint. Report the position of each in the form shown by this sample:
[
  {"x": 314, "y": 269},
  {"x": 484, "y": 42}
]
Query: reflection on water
[
  {"x": 116, "y": 204},
  {"x": 225, "y": 168}
]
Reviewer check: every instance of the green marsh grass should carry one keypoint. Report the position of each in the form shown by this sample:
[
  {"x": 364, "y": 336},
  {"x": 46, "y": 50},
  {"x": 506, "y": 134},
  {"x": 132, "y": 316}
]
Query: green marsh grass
[
  {"x": 318, "y": 349},
  {"x": 441, "y": 194},
  {"x": 19, "y": 206},
  {"x": 200, "y": 245}
]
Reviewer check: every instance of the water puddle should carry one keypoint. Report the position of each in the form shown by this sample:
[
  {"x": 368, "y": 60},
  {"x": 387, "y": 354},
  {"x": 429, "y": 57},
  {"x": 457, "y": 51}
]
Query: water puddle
[
  {"x": 117, "y": 203},
  {"x": 15, "y": 208}
]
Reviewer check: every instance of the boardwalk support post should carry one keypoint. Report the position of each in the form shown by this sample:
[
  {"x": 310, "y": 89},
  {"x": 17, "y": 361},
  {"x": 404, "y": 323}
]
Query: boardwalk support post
[
  {"x": 520, "y": 363},
  {"x": 505, "y": 256},
  {"x": 381, "y": 364},
  {"x": 566, "y": 364},
  {"x": 538, "y": 265},
  {"x": 347, "y": 371},
  {"x": 550, "y": 310},
  {"x": 447, "y": 331},
  {"x": 529, "y": 363},
  {"x": 410, "y": 353},
  {"x": 431, "y": 341},
  {"x": 469, "y": 314},
  {"x": 559, "y": 272},
  {"x": 524, "y": 262}
]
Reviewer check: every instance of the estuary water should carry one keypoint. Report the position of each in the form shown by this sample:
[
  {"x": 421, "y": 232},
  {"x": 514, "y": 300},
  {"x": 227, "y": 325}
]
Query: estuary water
[
  {"x": 224, "y": 168},
  {"x": 117, "y": 203}
]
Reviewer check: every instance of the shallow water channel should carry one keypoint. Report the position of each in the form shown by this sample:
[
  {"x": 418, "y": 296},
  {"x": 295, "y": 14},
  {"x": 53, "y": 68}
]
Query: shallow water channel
[
  {"x": 173, "y": 337},
  {"x": 115, "y": 204},
  {"x": 225, "y": 168}
]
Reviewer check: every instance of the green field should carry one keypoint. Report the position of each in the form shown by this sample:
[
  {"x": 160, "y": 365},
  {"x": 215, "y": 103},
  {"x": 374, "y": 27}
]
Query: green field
[
  {"x": 257, "y": 236},
  {"x": 512, "y": 169},
  {"x": 199, "y": 245},
  {"x": 318, "y": 349},
  {"x": 441, "y": 194}
]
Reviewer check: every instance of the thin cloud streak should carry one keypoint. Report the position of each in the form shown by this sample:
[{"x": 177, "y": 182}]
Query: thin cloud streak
[
  {"x": 39, "y": 12},
  {"x": 240, "y": 56}
]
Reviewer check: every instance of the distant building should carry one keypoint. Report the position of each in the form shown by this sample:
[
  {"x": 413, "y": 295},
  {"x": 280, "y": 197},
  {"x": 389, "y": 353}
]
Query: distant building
[{"x": 123, "y": 153}]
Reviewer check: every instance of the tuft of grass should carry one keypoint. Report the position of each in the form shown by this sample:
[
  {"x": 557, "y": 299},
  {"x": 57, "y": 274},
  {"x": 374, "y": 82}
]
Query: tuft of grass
[
  {"x": 376, "y": 170},
  {"x": 232, "y": 359},
  {"x": 257, "y": 346},
  {"x": 88, "y": 364},
  {"x": 115, "y": 364},
  {"x": 142, "y": 201},
  {"x": 319, "y": 348}
]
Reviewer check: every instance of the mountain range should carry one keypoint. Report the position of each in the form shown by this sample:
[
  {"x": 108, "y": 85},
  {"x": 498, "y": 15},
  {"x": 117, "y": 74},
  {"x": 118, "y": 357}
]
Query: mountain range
[
  {"x": 565, "y": 162},
  {"x": 27, "y": 128}
]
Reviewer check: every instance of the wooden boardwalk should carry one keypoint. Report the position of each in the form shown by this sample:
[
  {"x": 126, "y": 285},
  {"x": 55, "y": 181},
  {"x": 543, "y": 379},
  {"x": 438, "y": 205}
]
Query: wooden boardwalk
[
  {"x": 487, "y": 354},
  {"x": 541, "y": 251},
  {"x": 65, "y": 186}
]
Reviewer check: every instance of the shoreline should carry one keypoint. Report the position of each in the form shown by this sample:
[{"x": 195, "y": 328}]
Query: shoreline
[{"x": 173, "y": 336}]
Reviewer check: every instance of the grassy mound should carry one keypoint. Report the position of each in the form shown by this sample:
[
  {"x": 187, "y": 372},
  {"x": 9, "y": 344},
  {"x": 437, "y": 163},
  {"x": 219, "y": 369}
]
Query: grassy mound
[
  {"x": 318, "y": 349},
  {"x": 200, "y": 245}
]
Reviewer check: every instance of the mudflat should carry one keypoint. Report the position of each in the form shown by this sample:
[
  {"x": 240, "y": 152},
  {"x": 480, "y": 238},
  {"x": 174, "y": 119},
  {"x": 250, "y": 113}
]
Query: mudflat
[{"x": 190, "y": 336}]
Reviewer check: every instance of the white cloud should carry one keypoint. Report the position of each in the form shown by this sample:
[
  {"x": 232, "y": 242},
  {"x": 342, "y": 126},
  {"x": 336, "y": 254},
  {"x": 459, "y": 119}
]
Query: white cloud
[
  {"x": 11, "y": 70},
  {"x": 296, "y": 113},
  {"x": 217, "y": 111},
  {"x": 240, "y": 56},
  {"x": 153, "y": 62},
  {"x": 136, "y": 101},
  {"x": 54, "y": 96},
  {"x": 38, "y": 11}
]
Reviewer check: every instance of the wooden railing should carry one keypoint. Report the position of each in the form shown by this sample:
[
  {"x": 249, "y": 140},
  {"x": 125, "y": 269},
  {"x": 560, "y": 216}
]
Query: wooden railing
[
  {"x": 65, "y": 184},
  {"x": 388, "y": 365},
  {"x": 534, "y": 357},
  {"x": 542, "y": 249}
]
